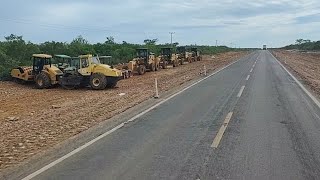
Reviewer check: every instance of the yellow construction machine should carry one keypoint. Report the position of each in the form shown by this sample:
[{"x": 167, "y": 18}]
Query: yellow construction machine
[
  {"x": 168, "y": 57},
  {"x": 126, "y": 73},
  {"x": 195, "y": 54},
  {"x": 42, "y": 72},
  {"x": 144, "y": 61},
  {"x": 87, "y": 70},
  {"x": 61, "y": 61},
  {"x": 183, "y": 55}
]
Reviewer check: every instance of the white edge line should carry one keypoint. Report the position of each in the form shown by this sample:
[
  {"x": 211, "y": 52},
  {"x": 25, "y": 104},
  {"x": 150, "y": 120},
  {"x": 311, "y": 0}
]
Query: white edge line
[
  {"x": 241, "y": 91},
  {"x": 34, "y": 174},
  {"x": 314, "y": 99},
  {"x": 248, "y": 77},
  {"x": 43, "y": 169}
]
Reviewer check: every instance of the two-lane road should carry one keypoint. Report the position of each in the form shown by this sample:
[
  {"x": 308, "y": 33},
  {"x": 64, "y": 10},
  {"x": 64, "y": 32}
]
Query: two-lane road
[{"x": 249, "y": 121}]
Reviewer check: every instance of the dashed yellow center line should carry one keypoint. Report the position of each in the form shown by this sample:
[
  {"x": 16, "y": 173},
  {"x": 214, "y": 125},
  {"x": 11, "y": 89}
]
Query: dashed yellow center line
[{"x": 217, "y": 139}]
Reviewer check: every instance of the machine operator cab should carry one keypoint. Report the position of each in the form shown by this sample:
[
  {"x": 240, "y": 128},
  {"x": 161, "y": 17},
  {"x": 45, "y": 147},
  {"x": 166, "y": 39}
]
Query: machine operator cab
[
  {"x": 86, "y": 63},
  {"x": 142, "y": 53},
  {"x": 195, "y": 52},
  {"x": 39, "y": 62},
  {"x": 62, "y": 61},
  {"x": 42, "y": 72},
  {"x": 167, "y": 51},
  {"x": 182, "y": 52},
  {"x": 181, "y": 49}
]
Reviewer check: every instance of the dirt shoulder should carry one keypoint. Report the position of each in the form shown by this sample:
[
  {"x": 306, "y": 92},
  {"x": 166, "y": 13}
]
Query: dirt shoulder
[
  {"x": 32, "y": 120},
  {"x": 305, "y": 66}
]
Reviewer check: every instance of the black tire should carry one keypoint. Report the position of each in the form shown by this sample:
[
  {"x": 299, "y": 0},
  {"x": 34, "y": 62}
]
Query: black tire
[
  {"x": 125, "y": 75},
  {"x": 19, "y": 81},
  {"x": 98, "y": 81},
  {"x": 176, "y": 62},
  {"x": 43, "y": 81},
  {"x": 141, "y": 69},
  {"x": 112, "y": 84},
  {"x": 68, "y": 87},
  {"x": 164, "y": 65},
  {"x": 152, "y": 67},
  {"x": 157, "y": 67}
]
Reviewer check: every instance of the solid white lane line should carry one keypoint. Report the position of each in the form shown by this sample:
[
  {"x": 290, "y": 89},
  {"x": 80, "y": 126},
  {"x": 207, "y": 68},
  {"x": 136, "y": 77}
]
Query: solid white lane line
[
  {"x": 71, "y": 153},
  {"x": 217, "y": 139},
  {"x": 50, "y": 165},
  {"x": 248, "y": 77},
  {"x": 314, "y": 99},
  {"x": 251, "y": 69},
  {"x": 241, "y": 91}
]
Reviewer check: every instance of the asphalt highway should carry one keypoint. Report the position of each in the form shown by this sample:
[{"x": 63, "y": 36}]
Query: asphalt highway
[{"x": 249, "y": 121}]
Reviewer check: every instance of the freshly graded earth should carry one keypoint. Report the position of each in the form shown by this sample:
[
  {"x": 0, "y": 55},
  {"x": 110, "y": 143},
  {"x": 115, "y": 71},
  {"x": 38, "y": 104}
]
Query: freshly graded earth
[{"x": 305, "y": 66}]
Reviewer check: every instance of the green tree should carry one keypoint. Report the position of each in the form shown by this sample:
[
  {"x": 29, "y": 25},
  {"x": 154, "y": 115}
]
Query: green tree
[
  {"x": 80, "y": 46},
  {"x": 110, "y": 40},
  {"x": 150, "y": 41},
  {"x": 15, "y": 51}
]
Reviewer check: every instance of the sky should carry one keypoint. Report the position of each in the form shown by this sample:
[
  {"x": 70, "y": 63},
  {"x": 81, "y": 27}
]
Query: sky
[{"x": 236, "y": 23}]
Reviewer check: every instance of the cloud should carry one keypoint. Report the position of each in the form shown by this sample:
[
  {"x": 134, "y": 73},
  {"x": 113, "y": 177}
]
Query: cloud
[{"x": 242, "y": 22}]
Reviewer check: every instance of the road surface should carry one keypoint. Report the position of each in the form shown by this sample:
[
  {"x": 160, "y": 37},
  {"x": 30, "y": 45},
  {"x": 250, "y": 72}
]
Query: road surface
[{"x": 249, "y": 121}]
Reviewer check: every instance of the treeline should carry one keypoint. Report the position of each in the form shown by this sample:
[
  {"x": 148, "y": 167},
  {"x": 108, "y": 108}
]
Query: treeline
[
  {"x": 302, "y": 44},
  {"x": 15, "y": 51}
]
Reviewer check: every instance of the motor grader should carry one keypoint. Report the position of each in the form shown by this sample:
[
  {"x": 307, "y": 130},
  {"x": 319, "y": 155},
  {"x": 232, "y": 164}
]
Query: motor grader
[
  {"x": 42, "y": 72},
  {"x": 144, "y": 61},
  {"x": 168, "y": 57},
  {"x": 126, "y": 73},
  {"x": 183, "y": 55},
  {"x": 195, "y": 54},
  {"x": 87, "y": 70}
]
